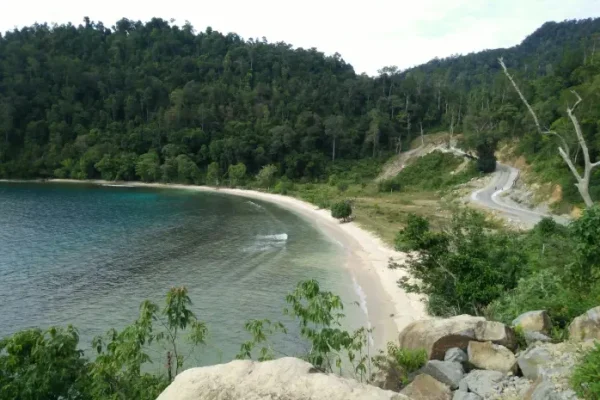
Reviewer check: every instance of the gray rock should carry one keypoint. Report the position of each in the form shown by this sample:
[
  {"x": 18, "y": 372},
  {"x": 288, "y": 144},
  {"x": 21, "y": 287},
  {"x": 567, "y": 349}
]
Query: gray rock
[
  {"x": 483, "y": 382},
  {"x": 456, "y": 355},
  {"x": 463, "y": 386},
  {"x": 586, "y": 326},
  {"x": 532, "y": 337},
  {"x": 546, "y": 390},
  {"x": 534, "y": 321},
  {"x": 460, "y": 395},
  {"x": 447, "y": 372},
  {"x": 533, "y": 360}
]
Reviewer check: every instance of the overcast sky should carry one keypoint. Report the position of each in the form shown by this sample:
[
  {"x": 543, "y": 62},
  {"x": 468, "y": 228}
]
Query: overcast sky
[{"x": 368, "y": 34}]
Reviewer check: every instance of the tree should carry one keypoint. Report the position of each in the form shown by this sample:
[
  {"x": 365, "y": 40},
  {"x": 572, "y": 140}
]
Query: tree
[
  {"x": 341, "y": 210},
  {"x": 213, "y": 173},
  {"x": 237, "y": 174},
  {"x": 148, "y": 167},
  {"x": 334, "y": 128},
  {"x": 462, "y": 268},
  {"x": 583, "y": 181},
  {"x": 266, "y": 176}
]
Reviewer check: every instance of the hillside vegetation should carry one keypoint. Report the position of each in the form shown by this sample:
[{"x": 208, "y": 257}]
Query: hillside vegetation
[{"x": 159, "y": 102}]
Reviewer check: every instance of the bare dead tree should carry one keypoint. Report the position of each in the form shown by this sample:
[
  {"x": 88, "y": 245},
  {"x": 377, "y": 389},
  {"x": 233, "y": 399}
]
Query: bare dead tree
[
  {"x": 422, "y": 136},
  {"x": 583, "y": 181}
]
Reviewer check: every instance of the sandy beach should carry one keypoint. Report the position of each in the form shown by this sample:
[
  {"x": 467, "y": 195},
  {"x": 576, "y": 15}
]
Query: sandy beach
[{"x": 389, "y": 308}]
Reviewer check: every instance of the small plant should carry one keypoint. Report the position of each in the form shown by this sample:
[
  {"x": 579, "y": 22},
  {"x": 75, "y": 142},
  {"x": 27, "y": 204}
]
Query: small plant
[
  {"x": 341, "y": 210},
  {"x": 520, "y": 335},
  {"x": 585, "y": 380},
  {"x": 398, "y": 364}
]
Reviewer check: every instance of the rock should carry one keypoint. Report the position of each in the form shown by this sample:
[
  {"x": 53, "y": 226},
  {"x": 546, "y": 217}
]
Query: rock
[
  {"x": 552, "y": 362},
  {"x": 424, "y": 387},
  {"x": 534, "y": 321},
  {"x": 546, "y": 390},
  {"x": 533, "y": 360},
  {"x": 497, "y": 333},
  {"x": 460, "y": 395},
  {"x": 512, "y": 387},
  {"x": 436, "y": 336},
  {"x": 285, "y": 378},
  {"x": 586, "y": 326},
  {"x": 462, "y": 386},
  {"x": 532, "y": 337},
  {"x": 456, "y": 355},
  {"x": 448, "y": 372},
  {"x": 491, "y": 356},
  {"x": 483, "y": 382}
]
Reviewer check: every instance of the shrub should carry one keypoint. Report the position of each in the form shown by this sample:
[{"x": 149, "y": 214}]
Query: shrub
[
  {"x": 462, "y": 268},
  {"x": 341, "y": 210},
  {"x": 585, "y": 380},
  {"x": 342, "y": 186},
  {"x": 389, "y": 185},
  {"x": 283, "y": 186},
  {"x": 397, "y": 365}
]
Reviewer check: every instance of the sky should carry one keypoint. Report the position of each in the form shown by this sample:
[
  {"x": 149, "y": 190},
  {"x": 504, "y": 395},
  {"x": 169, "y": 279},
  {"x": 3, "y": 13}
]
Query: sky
[{"x": 368, "y": 34}]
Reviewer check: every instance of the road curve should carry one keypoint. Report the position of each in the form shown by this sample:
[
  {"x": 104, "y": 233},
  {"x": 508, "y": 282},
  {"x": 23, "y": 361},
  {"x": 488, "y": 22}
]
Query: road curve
[{"x": 489, "y": 197}]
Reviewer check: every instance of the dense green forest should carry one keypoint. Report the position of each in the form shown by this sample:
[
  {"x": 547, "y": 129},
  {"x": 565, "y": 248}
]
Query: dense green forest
[{"x": 159, "y": 102}]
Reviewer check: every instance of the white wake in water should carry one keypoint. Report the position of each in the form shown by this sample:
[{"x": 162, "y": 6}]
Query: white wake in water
[
  {"x": 268, "y": 243},
  {"x": 279, "y": 237},
  {"x": 362, "y": 302},
  {"x": 255, "y": 205}
]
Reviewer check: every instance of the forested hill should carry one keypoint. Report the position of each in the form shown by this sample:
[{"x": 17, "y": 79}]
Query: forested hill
[{"x": 155, "y": 101}]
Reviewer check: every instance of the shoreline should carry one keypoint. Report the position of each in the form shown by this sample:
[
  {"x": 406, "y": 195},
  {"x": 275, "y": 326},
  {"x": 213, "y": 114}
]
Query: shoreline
[{"x": 389, "y": 309}]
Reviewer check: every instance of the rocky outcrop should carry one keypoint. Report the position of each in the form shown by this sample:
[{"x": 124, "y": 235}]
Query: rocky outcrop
[
  {"x": 534, "y": 321},
  {"x": 436, "y": 336},
  {"x": 282, "y": 379},
  {"x": 448, "y": 372},
  {"x": 586, "y": 326},
  {"x": 486, "y": 355},
  {"x": 425, "y": 387}
]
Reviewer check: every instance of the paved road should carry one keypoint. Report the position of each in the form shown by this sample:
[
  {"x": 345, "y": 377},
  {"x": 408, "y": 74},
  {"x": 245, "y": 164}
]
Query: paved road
[{"x": 503, "y": 179}]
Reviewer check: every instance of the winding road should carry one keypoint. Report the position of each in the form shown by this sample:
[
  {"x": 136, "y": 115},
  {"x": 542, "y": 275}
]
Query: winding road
[{"x": 489, "y": 197}]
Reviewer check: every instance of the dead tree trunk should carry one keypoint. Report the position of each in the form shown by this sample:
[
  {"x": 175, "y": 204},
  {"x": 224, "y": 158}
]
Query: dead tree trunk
[
  {"x": 583, "y": 181},
  {"x": 422, "y": 136}
]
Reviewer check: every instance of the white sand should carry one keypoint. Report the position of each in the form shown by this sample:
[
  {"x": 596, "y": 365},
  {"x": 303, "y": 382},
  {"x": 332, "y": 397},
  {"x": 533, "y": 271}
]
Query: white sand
[{"x": 390, "y": 308}]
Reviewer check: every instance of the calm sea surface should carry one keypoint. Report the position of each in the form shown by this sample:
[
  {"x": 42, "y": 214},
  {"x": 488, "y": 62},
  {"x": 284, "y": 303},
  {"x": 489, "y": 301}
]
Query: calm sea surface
[{"x": 88, "y": 255}]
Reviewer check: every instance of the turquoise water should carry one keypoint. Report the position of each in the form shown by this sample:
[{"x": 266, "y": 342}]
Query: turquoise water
[{"x": 88, "y": 255}]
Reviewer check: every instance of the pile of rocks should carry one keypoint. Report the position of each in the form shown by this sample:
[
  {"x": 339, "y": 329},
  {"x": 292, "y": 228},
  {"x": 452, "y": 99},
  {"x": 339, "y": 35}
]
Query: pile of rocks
[{"x": 471, "y": 358}]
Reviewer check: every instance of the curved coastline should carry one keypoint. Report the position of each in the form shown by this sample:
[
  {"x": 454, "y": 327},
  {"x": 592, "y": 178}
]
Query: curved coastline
[{"x": 389, "y": 308}]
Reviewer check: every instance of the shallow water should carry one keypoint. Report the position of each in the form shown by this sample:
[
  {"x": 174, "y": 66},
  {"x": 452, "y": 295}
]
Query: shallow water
[{"x": 88, "y": 255}]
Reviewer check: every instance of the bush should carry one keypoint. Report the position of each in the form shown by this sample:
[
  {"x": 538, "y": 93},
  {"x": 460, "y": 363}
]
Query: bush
[
  {"x": 341, "y": 210},
  {"x": 585, "y": 380},
  {"x": 397, "y": 365},
  {"x": 389, "y": 185},
  {"x": 283, "y": 186},
  {"x": 462, "y": 268},
  {"x": 342, "y": 186}
]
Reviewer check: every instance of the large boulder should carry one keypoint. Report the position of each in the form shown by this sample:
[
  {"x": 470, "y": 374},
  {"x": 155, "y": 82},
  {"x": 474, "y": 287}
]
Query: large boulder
[
  {"x": 534, "y": 321},
  {"x": 282, "y": 379},
  {"x": 425, "y": 387},
  {"x": 436, "y": 336},
  {"x": 486, "y": 355},
  {"x": 497, "y": 333},
  {"x": 448, "y": 372},
  {"x": 586, "y": 326},
  {"x": 483, "y": 383},
  {"x": 552, "y": 362}
]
